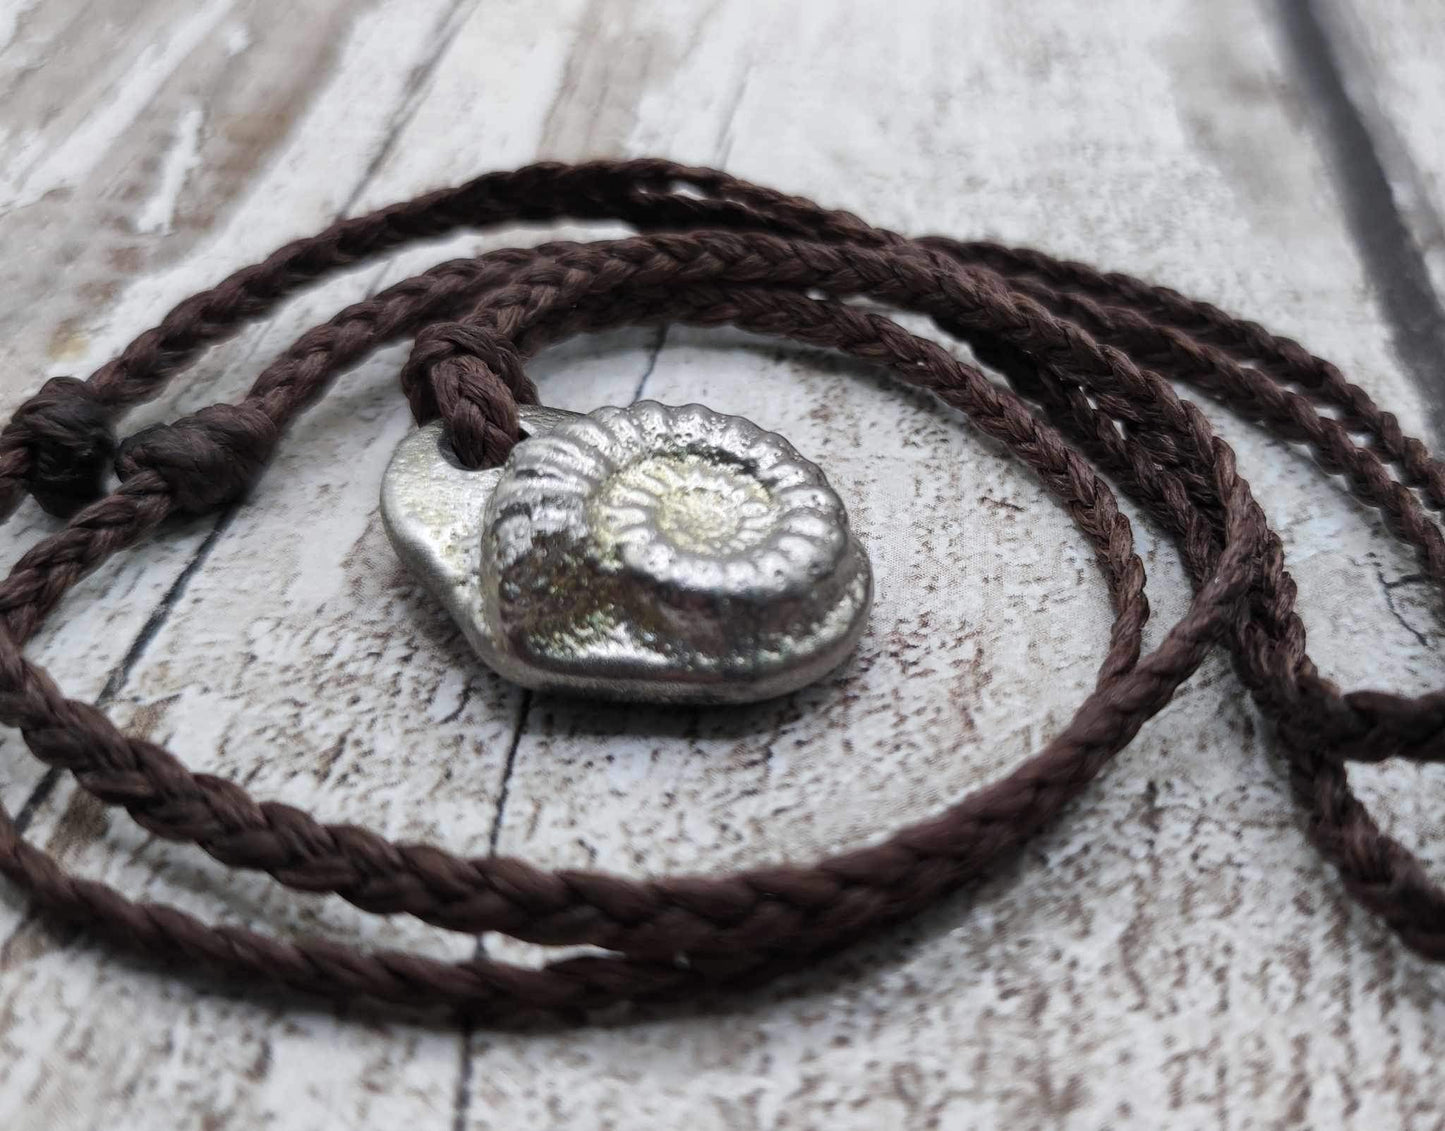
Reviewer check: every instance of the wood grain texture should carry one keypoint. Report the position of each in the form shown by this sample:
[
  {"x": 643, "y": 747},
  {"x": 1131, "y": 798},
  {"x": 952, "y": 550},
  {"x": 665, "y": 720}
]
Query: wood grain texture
[{"x": 1170, "y": 955}]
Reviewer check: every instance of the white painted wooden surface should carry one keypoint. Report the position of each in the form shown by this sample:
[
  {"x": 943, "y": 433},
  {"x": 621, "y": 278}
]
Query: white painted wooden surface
[
  {"x": 1394, "y": 49},
  {"x": 1171, "y": 954}
]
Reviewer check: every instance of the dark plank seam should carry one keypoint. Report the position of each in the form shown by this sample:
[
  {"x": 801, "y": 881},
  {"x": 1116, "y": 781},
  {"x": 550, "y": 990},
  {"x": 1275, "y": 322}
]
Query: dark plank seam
[
  {"x": 524, "y": 708},
  {"x": 468, "y": 1028},
  {"x": 1394, "y": 261},
  {"x": 446, "y": 29},
  {"x": 656, "y": 349}
]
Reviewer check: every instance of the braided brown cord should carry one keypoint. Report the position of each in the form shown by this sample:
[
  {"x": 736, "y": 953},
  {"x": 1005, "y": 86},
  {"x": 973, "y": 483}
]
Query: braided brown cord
[{"x": 1090, "y": 351}]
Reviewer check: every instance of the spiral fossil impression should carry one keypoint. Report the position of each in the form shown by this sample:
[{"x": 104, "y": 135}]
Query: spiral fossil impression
[
  {"x": 671, "y": 553},
  {"x": 652, "y": 553}
]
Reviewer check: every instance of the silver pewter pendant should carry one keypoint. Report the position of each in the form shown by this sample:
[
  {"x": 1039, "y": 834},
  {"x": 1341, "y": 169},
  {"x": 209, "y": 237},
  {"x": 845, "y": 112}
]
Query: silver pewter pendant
[{"x": 644, "y": 553}]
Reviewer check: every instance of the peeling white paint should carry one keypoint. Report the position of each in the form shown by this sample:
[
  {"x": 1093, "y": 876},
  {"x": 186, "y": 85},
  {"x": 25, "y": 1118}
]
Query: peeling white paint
[
  {"x": 236, "y": 38},
  {"x": 43, "y": 168},
  {"x": 10, "y": 13},
  {"x": 159, "y": 213},
  {"x": 309, "y": 179}
]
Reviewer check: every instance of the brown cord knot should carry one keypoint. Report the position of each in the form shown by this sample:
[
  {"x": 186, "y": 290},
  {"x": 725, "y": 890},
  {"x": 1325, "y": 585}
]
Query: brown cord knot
[
  {"x": 68, "y": 435},
  {"x": 473, "y": 379},
  {"x": 207, "y": 459}
]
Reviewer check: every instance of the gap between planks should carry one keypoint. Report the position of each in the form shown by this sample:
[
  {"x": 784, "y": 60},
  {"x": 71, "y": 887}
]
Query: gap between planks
[
  {"x": 463, "y": 1101},
  {"x": 1339, "y": 93}
]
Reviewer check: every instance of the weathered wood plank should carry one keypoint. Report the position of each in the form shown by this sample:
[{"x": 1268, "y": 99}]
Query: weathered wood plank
[
  {"x": 310, "y": 594},
  {"x": 1174, "y": 932},
  {"x": 1387, "y": 56},
  {"x": 89, "y": 280},
  {"x": 1391, "y": 54},
  {"x": 1395, "y": 67}
]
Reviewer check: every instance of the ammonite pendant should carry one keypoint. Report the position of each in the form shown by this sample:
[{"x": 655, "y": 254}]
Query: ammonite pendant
[{"x": 642, "y": 553}]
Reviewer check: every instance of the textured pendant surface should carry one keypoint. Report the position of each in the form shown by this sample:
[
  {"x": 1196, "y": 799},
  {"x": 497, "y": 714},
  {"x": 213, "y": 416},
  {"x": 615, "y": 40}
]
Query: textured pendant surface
[{"x": 643, "y": 553}]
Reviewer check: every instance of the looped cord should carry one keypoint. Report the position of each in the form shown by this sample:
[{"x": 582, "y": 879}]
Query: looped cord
[
  {"x": 1091, "y": 361},
  {"x": 474, "y": 381},
  {"x": 58, "y": 447}
]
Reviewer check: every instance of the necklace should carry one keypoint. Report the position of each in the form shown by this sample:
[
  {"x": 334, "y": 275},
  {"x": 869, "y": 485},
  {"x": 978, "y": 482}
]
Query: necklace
[{"x": 1086, "y": 356}]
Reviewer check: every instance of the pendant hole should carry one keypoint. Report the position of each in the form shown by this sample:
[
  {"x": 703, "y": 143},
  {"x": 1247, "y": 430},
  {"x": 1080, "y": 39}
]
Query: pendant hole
[{"x": 449, "y": 453}]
